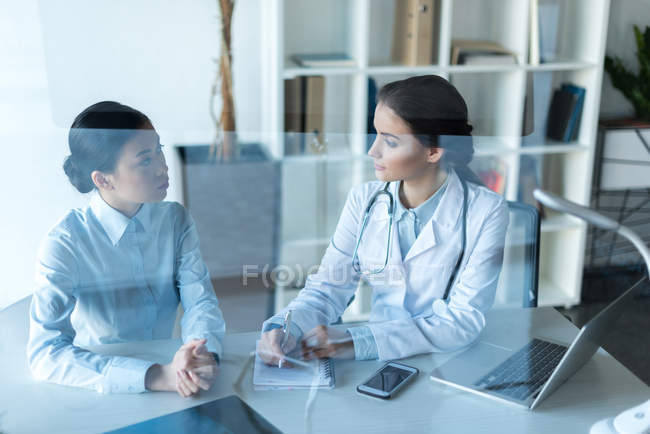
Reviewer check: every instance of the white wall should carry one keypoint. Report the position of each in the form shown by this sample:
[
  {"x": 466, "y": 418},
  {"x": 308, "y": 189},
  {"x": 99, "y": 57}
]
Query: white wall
[
  {"x": 620, "y": 42},
  {"x": 56, "y": 58}
]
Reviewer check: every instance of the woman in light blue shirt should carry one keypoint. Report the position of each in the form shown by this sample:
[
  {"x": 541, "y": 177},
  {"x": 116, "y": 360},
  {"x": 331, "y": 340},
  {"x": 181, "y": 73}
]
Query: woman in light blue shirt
[
  {"x": 116, "y": 270},
  {"x": 432, "y": 295}
]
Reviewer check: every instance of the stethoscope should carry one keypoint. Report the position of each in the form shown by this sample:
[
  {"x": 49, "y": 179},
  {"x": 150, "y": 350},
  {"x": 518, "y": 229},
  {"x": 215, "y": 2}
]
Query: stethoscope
[{"x": 391, "y": 209}]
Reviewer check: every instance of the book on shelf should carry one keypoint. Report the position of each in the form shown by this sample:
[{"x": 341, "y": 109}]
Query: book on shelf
[
  {"x": 324, "y": 60},
  {"x": 565, "y": 113},
  {"x": 542, "y": 89},
  {"x": 528, "y": 121},
  {"x": 466, "y": 51},
  {"x": 414, "y": 36},
  {"x": 304, "y": 100},
  {"x": 487, "y": 59},
  {"x": 574, "y": 121}
]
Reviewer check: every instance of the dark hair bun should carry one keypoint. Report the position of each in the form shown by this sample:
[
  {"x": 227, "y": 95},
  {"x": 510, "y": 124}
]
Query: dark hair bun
[
  {"x": 96, "y": 138},
  {"x": 81, "y": 181}
]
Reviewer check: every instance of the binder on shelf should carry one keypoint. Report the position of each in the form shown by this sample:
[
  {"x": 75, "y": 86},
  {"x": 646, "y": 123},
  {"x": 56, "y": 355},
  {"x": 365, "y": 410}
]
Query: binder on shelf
[
  {"x": 314, "y": 116},
  {"x": 293, "y": 118},
  {"x": 414, "y": 37},
  {"x": 304, "y": 100},
  {"x": 324, "y": 60},
  {"x": 466, "y": 51}
]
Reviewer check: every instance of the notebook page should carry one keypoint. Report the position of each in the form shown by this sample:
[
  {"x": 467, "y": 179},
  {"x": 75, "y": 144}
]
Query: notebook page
[{"x": 296, "y": 376}]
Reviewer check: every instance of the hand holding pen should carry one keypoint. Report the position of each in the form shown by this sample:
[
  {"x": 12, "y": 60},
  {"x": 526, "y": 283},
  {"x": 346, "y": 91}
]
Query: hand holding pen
[
  {"x": 275, "y": 344},
  {"x": 285, "y": 337}
]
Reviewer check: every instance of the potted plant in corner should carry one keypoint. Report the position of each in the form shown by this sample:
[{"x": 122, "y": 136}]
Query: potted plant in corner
[
  {"x": 231, "y": 188},
  {"x": 624, "y": 142}
]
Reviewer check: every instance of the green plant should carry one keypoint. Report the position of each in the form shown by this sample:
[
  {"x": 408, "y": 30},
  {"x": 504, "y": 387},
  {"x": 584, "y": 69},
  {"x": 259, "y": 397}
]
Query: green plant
[{"x": 636, "y": 88}]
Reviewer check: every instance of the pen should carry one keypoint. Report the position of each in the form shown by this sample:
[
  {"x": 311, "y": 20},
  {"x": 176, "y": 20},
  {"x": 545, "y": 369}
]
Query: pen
[{"x": 285, "y": 330}]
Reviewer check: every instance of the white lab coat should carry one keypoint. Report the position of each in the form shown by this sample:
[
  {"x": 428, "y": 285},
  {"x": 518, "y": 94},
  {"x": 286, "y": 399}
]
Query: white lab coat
[{"x": 408, "y": 316}]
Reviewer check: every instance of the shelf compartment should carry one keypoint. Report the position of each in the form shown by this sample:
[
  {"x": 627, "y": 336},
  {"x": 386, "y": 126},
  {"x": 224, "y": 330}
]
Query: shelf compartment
[
  {"x": 382, "y": 27},
  {"x": 308, "y": 28},
  {"x": 575, "y": 22},
  {"x": 493, "y": 101},
  {"x": 561, "y": 267},
  {"x": 501, "y": 21},
  {"x": 329, "y": 110},
  {"x": 316, "y": 191},
  {"x": 538, "y": 95},
  {"x": 556, "y": 173}
]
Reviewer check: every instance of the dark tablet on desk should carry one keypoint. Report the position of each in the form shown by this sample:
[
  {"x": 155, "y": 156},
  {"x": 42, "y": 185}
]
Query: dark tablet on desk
[{"x": 224, "y": 416}]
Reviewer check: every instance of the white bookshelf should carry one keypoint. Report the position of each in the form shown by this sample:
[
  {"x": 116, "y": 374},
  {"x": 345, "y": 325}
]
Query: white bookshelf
[{"x": 315, "y": 186}]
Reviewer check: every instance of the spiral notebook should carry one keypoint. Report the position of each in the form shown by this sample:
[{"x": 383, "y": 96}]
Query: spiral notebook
[{"x": 320, "y": 375}]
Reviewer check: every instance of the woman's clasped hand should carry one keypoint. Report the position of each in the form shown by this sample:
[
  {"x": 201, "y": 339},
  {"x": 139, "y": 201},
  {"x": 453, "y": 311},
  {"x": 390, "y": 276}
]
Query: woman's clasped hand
[{"x": 193, "y": 368}]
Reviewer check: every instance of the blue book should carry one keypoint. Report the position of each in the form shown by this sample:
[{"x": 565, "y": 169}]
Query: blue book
[{"x": 571, "y": 132}]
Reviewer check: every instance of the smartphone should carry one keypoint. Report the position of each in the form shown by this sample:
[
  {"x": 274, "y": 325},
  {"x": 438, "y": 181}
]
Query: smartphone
[{"x": 388, "y": 380}]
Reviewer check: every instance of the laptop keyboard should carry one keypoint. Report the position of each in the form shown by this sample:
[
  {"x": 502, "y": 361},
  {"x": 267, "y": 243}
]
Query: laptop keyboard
[{"x": 525, "y": 372}]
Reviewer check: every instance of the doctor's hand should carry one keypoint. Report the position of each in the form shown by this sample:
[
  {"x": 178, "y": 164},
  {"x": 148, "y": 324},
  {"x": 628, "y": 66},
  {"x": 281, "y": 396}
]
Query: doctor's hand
[
  {"x": 271, "y": 350},
  {"x": 191, "y": 369},
  {"x": 323, "y": 341}
]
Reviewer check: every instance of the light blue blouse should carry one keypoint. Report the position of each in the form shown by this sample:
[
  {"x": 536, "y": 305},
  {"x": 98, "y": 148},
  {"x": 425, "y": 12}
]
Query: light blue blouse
[{"x": 104, "y": 278}]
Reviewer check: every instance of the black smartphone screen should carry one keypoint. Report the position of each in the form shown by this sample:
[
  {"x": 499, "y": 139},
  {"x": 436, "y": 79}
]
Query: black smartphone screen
[{"x": 388, "y": 378}]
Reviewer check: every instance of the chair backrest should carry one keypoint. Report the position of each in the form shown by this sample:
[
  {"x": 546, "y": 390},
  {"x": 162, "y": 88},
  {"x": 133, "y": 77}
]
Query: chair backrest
[{"x": 520, "y": 273}]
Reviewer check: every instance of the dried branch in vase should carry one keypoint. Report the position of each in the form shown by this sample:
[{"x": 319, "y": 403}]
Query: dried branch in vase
[{"x": 224, "y": 143}]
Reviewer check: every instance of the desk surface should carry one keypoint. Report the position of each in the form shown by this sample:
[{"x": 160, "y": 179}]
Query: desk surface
[{"x": 601, "y": 388}]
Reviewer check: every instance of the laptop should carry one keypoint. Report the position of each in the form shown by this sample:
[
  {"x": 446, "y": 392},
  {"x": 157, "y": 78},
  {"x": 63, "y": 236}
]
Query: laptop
[{"x": 527, "y": 375}]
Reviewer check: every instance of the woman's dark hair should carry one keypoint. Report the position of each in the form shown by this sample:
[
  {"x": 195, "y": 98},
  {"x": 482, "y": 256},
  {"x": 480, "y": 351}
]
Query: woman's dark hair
[
  {"x": 96, "y": 138},
  {"x": 437, "y": 115}
]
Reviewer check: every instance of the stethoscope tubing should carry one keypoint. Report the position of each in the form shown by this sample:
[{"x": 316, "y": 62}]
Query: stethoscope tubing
[{"x": 366, "y": 216}]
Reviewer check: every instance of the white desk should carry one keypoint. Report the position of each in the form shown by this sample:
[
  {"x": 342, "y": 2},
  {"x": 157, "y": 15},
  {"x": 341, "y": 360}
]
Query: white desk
[{"x": 602, "y": 388}]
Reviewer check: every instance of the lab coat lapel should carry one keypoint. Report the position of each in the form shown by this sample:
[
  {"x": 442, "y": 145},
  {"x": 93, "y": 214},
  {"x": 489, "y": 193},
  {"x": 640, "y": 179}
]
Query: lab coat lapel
[{"x": 445, "y": 218}]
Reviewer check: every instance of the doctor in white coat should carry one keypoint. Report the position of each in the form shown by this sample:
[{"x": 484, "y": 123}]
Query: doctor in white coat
[{"x": 422, "y": 149}]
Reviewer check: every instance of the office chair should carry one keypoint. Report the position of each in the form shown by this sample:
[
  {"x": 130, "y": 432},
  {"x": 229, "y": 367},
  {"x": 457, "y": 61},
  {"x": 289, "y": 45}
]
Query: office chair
[{"x": 519, "y": 276}]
